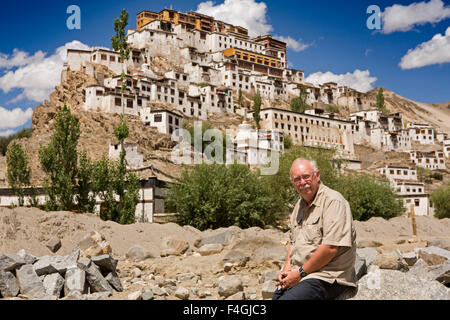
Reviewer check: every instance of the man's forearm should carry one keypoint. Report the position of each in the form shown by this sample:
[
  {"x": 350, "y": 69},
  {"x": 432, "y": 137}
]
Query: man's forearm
[
  {"x": 320, "y": 258},
  {"x": 287, "y": 264}
]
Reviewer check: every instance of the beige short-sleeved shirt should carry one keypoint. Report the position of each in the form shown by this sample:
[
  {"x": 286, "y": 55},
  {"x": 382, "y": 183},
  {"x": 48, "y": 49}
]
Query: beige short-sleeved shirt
[{"x": 328, "y": 220}]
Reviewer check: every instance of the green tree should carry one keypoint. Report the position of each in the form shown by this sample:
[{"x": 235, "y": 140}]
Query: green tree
[
  {"x": 299, "y": 104},
  {"x": 441, "y": 202},
  {"x": 380, "y": 101},
  {"x": 59, "y": 160},
  {"x": 215, "y": 196},
  {"x": 85, "y": 185},
  {"x": 240, "y": 99},
  {"x": 369, "y": 197},
  {"x": 116, "y": 186},
  {"x": 257, "y": 108},
  {"x": 332, "y": 108},
  {"x": 18, "y": 171},
  {"x": 4, "y": 141},
  {"x": 287, "y": 141},
  {"x": 119, "y": 43}
]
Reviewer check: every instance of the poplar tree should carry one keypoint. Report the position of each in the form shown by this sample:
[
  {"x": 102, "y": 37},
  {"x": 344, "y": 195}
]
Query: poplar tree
[
  {"x": 119, "y": 43},
  {"x": 59, "y": 160},
  {"x": 257, "y": 108},
  {"x": 240, "y": 99},
  {"x": 18, "y": 171}
]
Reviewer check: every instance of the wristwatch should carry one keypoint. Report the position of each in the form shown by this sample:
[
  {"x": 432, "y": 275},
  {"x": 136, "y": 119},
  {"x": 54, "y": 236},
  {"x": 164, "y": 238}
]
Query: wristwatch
[{"x": 303, "y": 273}]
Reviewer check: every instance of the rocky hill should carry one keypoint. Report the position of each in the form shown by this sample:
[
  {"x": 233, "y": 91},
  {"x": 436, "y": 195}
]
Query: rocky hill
[
  {"x": 167, "y": 261},
  {"x": 438, "y": 115}
]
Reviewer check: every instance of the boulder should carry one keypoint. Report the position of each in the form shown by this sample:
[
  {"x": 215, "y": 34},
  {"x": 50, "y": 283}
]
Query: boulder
[
  {"x": 440, "y": 243},
  {"x": 173, "y": 247},
  {"x": 262, "y": 248},
  {"x": 105, "y": 262},
  {"x": 368, "y": 254},
  {"x": 29, "y": 282},
  {"x": 236, "y": 257},
  {"x": 441, "y": 273},
  {"x": 54, "y": 244},
  {"x": 147, "y": 295},
  {"x": 96, "y": 281},
  {"x": 433, "y": 255},
  {"x": 75, "y": 281},
  {"x": 382, "y": 284},
  {"x": 10, "y": 262},
  {"x": 53, "y": 284},
  {"x": 8, "y": 284},
  {"x": 229, "y": 285},
  {"x": 210, "y": 249},
  {"x": 137, "y": 252},
  {"x": 45, "y": 265},
  {"x": 28, "y": 258},
  {"x": 94, "y": 244},
  {"x": 223, "y": 238},
  {"x": 182, "y": 293},
  {"x": 237, "y": 296},
  {"x": 137, "y": 295},
  {"x": 269, "y": 275},
  {"x": 391, "y": 261},
  {"x": 268, "y": 289},
  {"x": 360, "y": 266},
  {"x": 410, "y": 258},
  {"x": 114, "y": 280}
]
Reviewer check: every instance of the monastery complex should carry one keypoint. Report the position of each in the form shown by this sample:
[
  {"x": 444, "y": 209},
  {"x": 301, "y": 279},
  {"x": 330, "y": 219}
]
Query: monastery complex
[{"x": 211, "y": 61}]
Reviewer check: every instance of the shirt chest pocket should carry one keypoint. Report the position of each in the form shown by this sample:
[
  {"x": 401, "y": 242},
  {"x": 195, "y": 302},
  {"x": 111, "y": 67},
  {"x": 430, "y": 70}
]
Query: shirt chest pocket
[{"x": 312, "y": 231}]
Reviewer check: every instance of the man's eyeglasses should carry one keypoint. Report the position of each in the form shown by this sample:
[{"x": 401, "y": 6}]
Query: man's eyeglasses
[{"x": 305, "y": 177}]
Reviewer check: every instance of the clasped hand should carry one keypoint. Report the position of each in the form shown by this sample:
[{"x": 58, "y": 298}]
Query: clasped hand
[{"x": 288, "y": 279}]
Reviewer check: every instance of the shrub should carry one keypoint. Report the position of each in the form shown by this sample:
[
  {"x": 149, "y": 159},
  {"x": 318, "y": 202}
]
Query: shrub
[
  {"x": 441, "y": 201},
  {"x": 369, "y": 197},
  {"x": 215, "y": 196}
]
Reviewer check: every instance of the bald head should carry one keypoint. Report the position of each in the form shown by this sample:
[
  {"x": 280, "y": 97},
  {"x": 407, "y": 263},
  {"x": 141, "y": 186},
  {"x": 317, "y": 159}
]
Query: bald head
[
  {"x": 304, "y": 164},
  {"x": 305, "y": 176}
]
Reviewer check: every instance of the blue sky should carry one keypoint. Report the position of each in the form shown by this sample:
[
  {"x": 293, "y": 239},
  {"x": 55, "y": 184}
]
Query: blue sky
[{"x": 329, "y": 40}]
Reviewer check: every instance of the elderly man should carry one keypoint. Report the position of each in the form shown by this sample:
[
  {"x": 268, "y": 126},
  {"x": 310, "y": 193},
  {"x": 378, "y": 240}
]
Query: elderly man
[{"x": 322, "y": 250}]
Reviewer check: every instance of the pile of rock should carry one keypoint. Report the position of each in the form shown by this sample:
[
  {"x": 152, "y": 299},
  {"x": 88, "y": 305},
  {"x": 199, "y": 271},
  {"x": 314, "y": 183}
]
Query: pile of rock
[
  {"x": 422, "y": 274},
  {"x": 78, "y": 276}
]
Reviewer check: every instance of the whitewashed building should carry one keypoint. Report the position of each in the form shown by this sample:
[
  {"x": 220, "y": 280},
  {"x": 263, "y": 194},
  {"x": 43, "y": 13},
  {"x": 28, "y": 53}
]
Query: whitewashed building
[
  {"x": 422, "y": 133},
  {"x": 310, "y": 130},
  {"x": 404, "y": 182},
  {"x": 433, "y": 160},
  {"x": 166, "y": 121},
  {"x": 398, "y": 172},
  {"x": 133, "y": 158}
]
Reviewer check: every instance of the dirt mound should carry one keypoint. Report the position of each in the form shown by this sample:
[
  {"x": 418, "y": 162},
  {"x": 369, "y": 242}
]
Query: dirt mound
[{"x": 254, "y": 255}]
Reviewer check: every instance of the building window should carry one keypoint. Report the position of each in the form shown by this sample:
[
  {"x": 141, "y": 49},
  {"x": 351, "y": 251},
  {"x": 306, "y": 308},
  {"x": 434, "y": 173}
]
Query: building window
[
  {"x": 129, "y": 103},
  {"x": 118, "y": 102},
  {"x": 158, "y": 118}
]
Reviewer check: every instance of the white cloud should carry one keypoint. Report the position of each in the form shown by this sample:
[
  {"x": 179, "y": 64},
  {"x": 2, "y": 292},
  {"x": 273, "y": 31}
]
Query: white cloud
[
  {"x": 246, "y": 13},
  {"x": 434, "y": 51},
  {"x": 358, "y": 80},
  {"x": 6, "y": 133},
  {"x": 295, "y": 45},
  {"x": 36, "y": 75},
  {"x": 14, "y": 118},
  {"x": 403, "y": 18}
]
